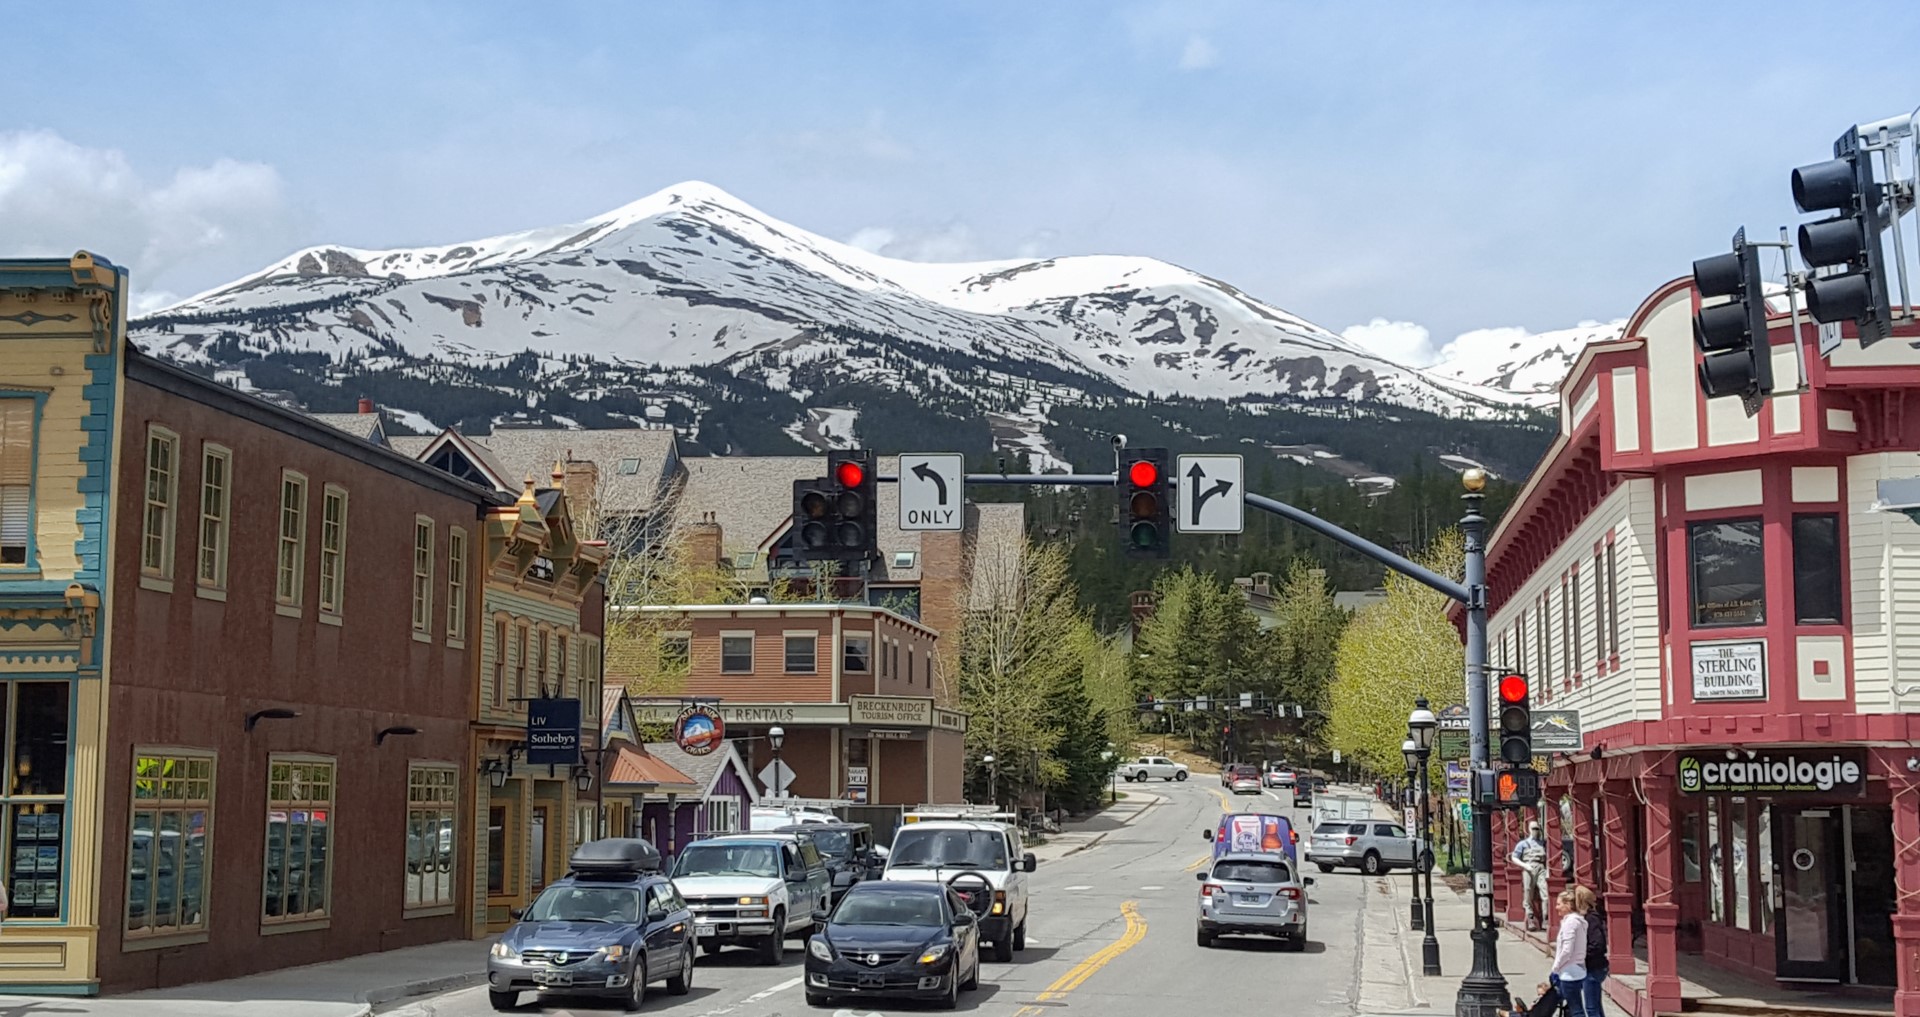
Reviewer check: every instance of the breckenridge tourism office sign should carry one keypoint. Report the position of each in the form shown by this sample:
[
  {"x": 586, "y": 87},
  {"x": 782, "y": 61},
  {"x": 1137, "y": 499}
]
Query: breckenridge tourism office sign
[
  {"x": 1811, "y": 770},
  {"x": 1730, "y": 669}
]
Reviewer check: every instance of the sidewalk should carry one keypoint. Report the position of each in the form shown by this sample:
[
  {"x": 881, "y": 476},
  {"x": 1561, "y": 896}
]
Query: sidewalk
[
  {"x": 1391, "y": 980},
  {"x": 343, "y": 988},
  {"x": 1079, "y": 835}
]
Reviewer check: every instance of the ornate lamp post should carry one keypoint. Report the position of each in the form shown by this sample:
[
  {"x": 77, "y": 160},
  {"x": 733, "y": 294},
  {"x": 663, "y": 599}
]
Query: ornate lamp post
[
  {"x": 776, "y": 737},
  {"x": 993, "y": 780},
  {"x": 1410, "y": 751},
  {"x": 1422, "y": 725}
]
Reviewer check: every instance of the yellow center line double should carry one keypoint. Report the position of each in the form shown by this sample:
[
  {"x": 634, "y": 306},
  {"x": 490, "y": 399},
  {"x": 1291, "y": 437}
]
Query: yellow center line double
[
  {"x": 1199, "y": 862},
  {"x": 1136, "y": 931}
]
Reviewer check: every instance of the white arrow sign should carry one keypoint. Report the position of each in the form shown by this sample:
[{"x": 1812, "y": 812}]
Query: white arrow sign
[
  {"x": 932, "y": 489},
  {"x": 776, "y": 776},
  {"x": 1211, "y": 493}
]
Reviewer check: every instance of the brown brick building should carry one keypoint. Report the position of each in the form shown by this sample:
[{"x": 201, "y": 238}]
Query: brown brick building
[{"x": 289, "y": 706}]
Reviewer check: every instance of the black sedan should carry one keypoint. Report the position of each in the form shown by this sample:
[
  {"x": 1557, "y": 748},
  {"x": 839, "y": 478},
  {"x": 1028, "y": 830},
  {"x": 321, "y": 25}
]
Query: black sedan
[{"x": 901, "y": 940}]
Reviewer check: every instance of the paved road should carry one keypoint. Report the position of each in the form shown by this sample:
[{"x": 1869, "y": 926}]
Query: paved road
[{"x": 1111, "y": 935}]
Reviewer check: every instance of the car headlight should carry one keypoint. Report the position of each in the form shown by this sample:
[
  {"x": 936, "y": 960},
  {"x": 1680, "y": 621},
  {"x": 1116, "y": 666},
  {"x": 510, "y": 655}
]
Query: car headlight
[
  {"x": 751, "y": 901},
  {"x": 819, "y": 948},
  {"x": 613, "y": 952},
  {"x": 933, "y": 954},
  {"x": 504, "y": 952}
]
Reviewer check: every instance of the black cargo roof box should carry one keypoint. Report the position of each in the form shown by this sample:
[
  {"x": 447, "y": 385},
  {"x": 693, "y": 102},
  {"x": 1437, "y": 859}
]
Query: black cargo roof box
[{"x": 615, "y": 855}]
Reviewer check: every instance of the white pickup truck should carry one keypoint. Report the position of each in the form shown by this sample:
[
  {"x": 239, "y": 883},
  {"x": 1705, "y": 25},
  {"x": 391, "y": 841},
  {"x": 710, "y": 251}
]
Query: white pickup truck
[
  {"x": 938, "y": 850},
  {"x": 1150, "y": 767}
]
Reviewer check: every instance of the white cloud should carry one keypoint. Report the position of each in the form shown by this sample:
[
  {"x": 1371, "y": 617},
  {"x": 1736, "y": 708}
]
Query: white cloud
[
  {"x": 1402, "y": 342},
  {"x": 1199, "y": 54},
  {"x": 57, "y": 197},
  {"x": 949, "y": 243},
  {"x": 872, "y": 239}
]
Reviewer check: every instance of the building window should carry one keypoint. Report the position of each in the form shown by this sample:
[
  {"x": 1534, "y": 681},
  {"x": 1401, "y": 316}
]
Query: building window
[
  {"x": 723, "y": 816},
  {"x": 858, "y": 655},
  {"x": 422, "y": 574},
  {"x": 499, "y": 663},
  {"x": 520, "y": 648},
  {"x": 293, "y": 538},
  {"x": 167, "y": 874},
  {"x": 33, "y": 808},
  {"x": 1573, "y": 615},
  {"x": 333, "y": 547},
  {"x": 583, "y": 824},
  {"x": 456, "y": 583},
  {"x": 629, "y": 467},
  {"x": 1737, "y": 862},
  {"x": 1816, "y": 569},
  {"x": 162, "y": 492},
  {"x": 561, "y": 668},
  {"x": 216, "y": 502},
  {"x": 675, "y": 651},
  {"x": 1613, "y": 604},
  {"x": 1715, "y": 866},
  {"x": 431, "y": 795},
  {"x": 540, "y": 661},
  {"x": 736, "y": 654},
  {"x": 800, "y": 651},
  {"x": 1729, "y": 573},
  {"x": 16, "y": 478},
  {"x": 299, "y": 840}
]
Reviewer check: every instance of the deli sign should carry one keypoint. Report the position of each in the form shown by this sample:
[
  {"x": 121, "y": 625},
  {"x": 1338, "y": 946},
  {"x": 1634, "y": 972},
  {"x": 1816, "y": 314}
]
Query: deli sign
[{"x": 1814, "y": 770}]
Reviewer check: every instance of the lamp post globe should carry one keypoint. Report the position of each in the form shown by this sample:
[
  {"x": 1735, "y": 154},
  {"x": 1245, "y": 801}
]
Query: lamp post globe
[{"x": 1422, "y": 724}]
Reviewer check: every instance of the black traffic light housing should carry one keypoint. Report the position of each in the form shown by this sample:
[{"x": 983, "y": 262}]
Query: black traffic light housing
[
  {"x": 834, "y": 517},
  {"x": 1146, "y": 518},
  {"x": 1848, "y": 242},
  {"x": 1515, "y": 722},
  {"x": 1736, "y": 357}
]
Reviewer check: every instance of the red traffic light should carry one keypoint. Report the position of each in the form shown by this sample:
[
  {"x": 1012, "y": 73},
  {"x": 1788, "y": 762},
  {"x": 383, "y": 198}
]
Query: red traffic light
[
  {"x": 1513, "y": 689},
  {"x": 1143, "y": 474},
  {"x": 850, "y": 474}
]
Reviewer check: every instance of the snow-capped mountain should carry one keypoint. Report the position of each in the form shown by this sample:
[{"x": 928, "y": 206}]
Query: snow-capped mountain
[
  {"x": 627, "y": 313},
  {"x": 1518, "y": 361}
]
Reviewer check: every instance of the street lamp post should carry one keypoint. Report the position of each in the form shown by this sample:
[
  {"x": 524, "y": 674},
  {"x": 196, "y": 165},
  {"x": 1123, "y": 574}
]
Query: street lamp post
[
  {"x": 1483, "y": 993},
  {"x": 993, "y": 780},
  {"x": 776, "y": 737},
  {"x": 1410, "y": 751},
  {"x": 1422, "y": 724}
]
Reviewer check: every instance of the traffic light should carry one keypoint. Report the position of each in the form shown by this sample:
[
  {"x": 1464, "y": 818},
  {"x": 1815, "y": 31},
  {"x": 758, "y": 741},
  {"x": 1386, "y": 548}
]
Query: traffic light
[
  {"x": 1517, "y": 788},
  {"x": 834, "y": 517},
  {"x": 1145, "y": 520},
  {"x": 1849, "y": 242},
  {"x": 1736, "y": 358},
  {"x": 1516, "y": 721}
]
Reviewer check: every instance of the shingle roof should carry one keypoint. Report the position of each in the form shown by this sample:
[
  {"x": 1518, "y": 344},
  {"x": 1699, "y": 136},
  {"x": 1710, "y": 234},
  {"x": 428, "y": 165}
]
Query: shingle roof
[
  {"x": 360, "y": 425},
  {"x": 751, "y": 497},
  {"x": 703, "y": 769},
  {"x": 411, "y": 444},
  {"x": 634, "y": 766},
  {"x": 532, "y": 451}
]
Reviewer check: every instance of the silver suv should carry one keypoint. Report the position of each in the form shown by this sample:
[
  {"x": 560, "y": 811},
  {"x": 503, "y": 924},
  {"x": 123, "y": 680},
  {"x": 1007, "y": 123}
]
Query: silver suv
[
  {"x": 1253, "y": 894},
  {"x": 1373, "y": 846}
]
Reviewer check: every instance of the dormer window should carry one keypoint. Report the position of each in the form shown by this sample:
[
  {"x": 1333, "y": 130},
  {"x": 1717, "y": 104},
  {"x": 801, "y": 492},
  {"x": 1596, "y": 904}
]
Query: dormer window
[
  {"x": 903, "y": 559},
  {"x": 629, "y": 467},
  {"x": 541, "y": 569}
]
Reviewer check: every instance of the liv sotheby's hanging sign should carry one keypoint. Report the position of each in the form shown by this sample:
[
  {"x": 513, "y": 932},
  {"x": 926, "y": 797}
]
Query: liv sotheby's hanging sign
[{"x": 1811, "y": 770}]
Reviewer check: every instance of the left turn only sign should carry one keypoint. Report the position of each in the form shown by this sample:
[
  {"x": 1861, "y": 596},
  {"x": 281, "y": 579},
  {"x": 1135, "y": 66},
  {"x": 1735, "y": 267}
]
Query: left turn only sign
[{"x": 932, "y": 490}]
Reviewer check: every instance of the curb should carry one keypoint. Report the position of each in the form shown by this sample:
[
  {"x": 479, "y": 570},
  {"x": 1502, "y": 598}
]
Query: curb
[
  {"x": 1141, "y": 811},
  {"x": 376, "y": 998}
]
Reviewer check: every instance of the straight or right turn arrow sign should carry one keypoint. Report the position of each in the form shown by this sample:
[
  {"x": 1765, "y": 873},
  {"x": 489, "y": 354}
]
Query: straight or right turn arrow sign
[{"x": 1212, "y": 494}]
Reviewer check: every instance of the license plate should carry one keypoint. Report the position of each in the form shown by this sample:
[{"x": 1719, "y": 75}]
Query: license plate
[
  {"x": 1249, "y": 898},
  {"x": 553, "y": 978},
  {"x": 870, "y": 981},
  {"x": 707, "y": 930}
]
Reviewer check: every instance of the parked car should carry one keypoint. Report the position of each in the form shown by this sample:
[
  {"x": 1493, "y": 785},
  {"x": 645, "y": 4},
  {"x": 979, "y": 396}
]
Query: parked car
[
  {"x": 935, "y": 851},
  {"x": 1373, "y": 846},
  {"x": 612, "y": 926},
  {"x": 1253, "y": 895},
  {"x": 847, "y": 848},
  {"x": 1245, "y": 780},
  {"x": 909, "y": 940},
  {"x": 1148, "y": 767},
  {"x": 752, "y": 889}
]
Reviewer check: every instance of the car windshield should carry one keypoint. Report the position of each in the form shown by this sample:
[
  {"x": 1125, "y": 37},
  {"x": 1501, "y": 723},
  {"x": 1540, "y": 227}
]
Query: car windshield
[
  {"x": 1330, "y": 828},
  {"x": 1252, "y": 872},
  {"x": 830, "y": 842},
  {"x": 618, "y": 905},
  {"x": 953, "y": 849},
  {"x": 889, "y": 908},
  {"x": 712, "y": 859}
]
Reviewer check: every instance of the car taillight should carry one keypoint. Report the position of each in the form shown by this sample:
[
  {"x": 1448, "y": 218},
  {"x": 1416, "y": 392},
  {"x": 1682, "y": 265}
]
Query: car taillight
[
  {"x": 1208, "y": 890},
  {"x": 1293, "y": 836},
  {"x": 1290, "y": 892},
  {"x": 1350, "y": 840}
]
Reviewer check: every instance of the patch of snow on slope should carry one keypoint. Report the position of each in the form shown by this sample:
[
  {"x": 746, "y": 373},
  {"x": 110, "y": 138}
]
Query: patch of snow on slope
[{"x": 1520, "y": 361}]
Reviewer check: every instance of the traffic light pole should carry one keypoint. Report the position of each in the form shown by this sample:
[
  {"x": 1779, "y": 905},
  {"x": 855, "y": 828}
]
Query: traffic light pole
[{"x": 1483, "y": 992}]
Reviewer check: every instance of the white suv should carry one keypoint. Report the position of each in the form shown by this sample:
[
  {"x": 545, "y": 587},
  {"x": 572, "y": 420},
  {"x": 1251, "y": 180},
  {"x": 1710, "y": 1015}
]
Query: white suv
[
  {"x": 1149, "y": 767},
  {"x": 940, "y": 850},
  {"x": 752, "y": 889}
]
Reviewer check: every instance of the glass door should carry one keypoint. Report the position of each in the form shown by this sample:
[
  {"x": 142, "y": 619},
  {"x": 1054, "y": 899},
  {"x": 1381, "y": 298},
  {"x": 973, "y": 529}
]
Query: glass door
[
  {"x": 1810, "y": 905},
  {"x": 537, "y": 863}
]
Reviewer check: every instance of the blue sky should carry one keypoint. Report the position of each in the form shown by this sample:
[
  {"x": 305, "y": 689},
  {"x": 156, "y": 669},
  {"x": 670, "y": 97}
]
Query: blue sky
[{"x": 1448, "y": 166}]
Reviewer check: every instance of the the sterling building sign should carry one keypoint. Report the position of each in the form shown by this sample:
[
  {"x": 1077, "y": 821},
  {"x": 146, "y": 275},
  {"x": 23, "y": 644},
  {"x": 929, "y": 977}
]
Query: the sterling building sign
[
  {"x": 1819, "y": 771},
  {"x": 1734, "y": 669}
]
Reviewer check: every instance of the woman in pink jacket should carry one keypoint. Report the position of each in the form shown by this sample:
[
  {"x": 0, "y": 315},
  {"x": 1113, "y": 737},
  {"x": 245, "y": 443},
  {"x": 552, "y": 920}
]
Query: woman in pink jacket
[{"x": 1570, "y": 953}]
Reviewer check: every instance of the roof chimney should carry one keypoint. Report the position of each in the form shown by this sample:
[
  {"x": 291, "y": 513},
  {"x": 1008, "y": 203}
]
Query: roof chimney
[{"x": 366, "y": 405}]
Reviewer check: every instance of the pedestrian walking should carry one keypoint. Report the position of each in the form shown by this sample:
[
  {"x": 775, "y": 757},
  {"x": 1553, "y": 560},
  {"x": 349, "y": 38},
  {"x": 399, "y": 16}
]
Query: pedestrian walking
[
  {"x": 1597, "y": 968},
  {"x": 1570, "y": 954}
]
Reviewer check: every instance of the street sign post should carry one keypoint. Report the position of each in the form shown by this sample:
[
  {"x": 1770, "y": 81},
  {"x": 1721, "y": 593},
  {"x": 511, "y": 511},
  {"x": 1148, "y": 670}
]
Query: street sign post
[
  {"x": 931, "y": 492},
  {"x": 776, "y": 777},
  {"x": 1212, "y": 494}
]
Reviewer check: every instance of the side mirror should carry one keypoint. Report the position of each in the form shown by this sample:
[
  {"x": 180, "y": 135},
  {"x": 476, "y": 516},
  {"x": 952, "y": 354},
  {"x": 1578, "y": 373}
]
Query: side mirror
[
  {"x": 656, "y": 915},
  {"x": 1208, "y": 834},
  {"x": 1028, "y": 861},
  {"x": 1307, "y": 881},
  {"x": 1200, "y": 877},
  {"x": 517, "y": 913},
  {"x": 820, "y": 918}
]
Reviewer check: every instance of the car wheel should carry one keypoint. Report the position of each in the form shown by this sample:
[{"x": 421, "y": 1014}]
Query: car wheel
[
  {"x": 1371, "y": 864},
  {"x": 1003, "y": 951},
  {"x": 682, "y": 983},
  {"x": 773, "y": 949},
  {"x": 637, "y": 992},
  {"x": 973, "y": 979},
  {"x": 1020, "y": 936},
  {"x": 502, "y": 1001},
  {"x": 1324, "y": 867},
  {"x": 951, "y": 1001},
  {"x": 819, "y": 999},
  {"x": 1204, "y": 938},
  {"x": 1182, "y": 775},
  {"x": 1298, "y": 944}
]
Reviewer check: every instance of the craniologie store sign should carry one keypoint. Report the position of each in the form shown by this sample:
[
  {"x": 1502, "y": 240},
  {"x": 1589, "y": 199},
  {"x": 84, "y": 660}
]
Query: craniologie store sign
[{"x": 1814, "y": 770}]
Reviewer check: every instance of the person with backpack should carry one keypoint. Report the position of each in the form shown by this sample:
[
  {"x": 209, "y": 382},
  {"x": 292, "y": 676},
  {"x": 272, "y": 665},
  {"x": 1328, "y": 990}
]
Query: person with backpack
[{"x": 1596, "y": 949}]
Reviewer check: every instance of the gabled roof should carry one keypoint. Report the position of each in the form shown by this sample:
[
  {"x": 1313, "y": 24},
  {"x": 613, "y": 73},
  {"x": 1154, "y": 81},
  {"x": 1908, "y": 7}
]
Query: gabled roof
[
  {"x": 365, "y": 426},
  {"x": 751, "y": 497},
  {"x": 452, "y": 443},
  {"x": 706, "y": 770},
  {"x": 634, "y": 765},
  {"x": 636, "y": 465}
]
